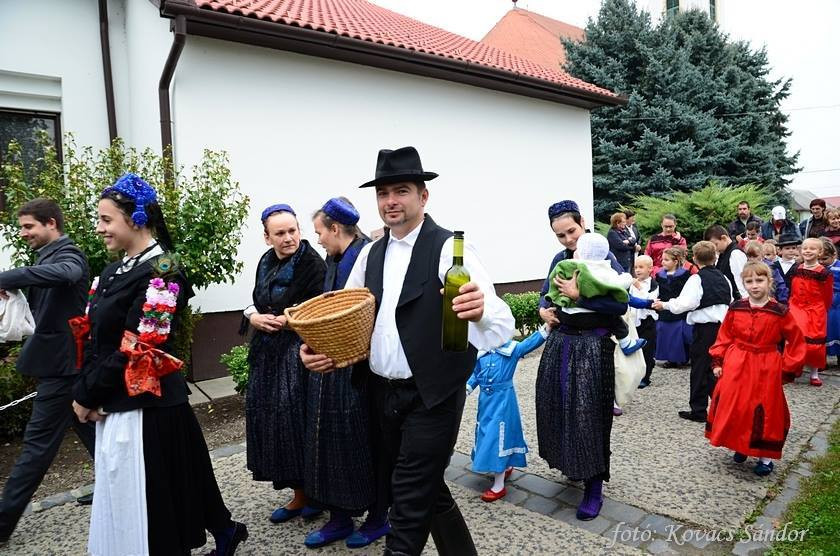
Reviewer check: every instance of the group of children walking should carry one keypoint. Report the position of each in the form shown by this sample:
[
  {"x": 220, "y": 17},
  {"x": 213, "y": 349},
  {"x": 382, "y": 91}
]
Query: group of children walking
[{"x": 748, "y": 316}]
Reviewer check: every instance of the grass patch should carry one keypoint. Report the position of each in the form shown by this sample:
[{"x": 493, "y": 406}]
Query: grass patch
[{"x": 817, "y": 508}]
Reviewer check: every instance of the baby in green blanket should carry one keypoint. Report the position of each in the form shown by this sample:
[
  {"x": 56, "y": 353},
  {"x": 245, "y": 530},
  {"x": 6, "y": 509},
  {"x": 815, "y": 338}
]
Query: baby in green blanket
[{"x": 595, "y": 277}]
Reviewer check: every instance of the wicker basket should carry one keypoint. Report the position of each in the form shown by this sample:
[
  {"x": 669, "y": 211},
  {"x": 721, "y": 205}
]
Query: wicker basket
[{"x": 338, "y": 324}]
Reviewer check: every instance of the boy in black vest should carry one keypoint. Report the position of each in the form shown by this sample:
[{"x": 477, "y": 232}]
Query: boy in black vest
[
  {"x": 418, "y": 390},
  {"x": 788, "y": 251},
  {"x": 706, "y": 296},
  {"x": 730, "y": 261}
]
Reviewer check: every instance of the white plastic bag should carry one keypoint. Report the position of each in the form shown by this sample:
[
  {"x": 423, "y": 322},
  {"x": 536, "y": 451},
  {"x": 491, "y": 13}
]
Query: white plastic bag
[
  {"x": 629, "y": 369},
  {"x": 16, "y": 319}
]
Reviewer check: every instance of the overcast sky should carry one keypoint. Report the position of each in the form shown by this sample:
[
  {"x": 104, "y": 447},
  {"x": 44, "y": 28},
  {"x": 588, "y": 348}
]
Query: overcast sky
[{"x": 802, "y": 40}]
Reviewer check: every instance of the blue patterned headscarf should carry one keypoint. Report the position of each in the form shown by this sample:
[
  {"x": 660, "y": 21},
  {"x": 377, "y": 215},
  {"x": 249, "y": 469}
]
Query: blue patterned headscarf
[
  {"x": 341, "y": 211},
  {"x": 562, "y": 207},
  {"x": 138, "y": 190},
  {"x": 280, "y": 207}
]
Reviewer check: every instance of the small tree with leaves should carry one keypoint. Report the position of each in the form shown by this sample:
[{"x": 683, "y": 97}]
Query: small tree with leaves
[{"x": 204, "y": 208}]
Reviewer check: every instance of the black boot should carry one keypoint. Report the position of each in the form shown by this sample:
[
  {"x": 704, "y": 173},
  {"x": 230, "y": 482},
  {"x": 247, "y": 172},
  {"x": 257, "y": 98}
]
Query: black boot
[{"x": 451, "y": 534}]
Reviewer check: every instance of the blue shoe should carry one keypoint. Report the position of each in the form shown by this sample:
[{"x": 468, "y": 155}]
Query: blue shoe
[
  {"x": 281, "y": 514},
  {"x": 327, "y": 535},
  {"x": 644, "y": 383},
  {"x": 738, "y": 457},
  {"x": 367, "y": 534},
  {"x": 310, "y": 513},
  {"x": 763, "y": 469},
  {"x": 634, "y": 347}
]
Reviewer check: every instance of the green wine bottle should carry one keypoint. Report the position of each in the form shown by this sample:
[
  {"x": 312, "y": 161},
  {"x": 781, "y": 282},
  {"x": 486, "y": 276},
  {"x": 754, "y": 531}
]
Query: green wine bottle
[{"x": 454, "y": 330}]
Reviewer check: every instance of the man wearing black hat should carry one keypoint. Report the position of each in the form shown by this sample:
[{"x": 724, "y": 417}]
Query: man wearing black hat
[{"x": 418, "y": 389}]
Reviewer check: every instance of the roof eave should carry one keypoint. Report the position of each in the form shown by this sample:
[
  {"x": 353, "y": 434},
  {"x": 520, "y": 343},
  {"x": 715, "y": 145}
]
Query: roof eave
[{"x": 247, "y": 30}]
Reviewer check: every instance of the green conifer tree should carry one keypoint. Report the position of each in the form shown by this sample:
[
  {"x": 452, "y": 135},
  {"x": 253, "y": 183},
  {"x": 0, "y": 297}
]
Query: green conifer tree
[{"x": 700, "y": 107}]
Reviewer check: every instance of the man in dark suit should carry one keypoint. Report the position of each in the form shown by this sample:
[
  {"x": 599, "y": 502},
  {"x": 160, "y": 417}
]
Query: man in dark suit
[
  {"x": 57, "y": 285},
  {"x": 418, "y": 389}
]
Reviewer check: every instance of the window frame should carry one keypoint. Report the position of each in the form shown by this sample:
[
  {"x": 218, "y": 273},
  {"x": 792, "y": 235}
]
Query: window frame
[{"x": 43, "y": 114}]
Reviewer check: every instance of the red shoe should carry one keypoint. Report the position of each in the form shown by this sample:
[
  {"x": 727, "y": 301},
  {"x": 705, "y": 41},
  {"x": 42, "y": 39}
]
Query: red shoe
[
  {"x": 490, "y": 496},
  {"x": 508, "y": 472},
  {"x": 816, "y": 382}
]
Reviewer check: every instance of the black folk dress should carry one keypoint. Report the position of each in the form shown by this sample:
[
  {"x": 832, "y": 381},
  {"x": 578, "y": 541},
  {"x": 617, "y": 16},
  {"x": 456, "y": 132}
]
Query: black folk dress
[
  {"x": 180, "y": 494},
  {"x": 275, "y": 399},
  {"x": 338, "y": 461}
]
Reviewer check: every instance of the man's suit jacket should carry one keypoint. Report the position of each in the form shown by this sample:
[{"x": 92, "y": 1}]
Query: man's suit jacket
[{"x": 58, "y": 284}]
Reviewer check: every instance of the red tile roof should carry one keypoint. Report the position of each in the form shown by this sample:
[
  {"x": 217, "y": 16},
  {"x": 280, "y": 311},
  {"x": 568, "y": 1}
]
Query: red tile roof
[
  {"x": 365, "y": 21},
  {"x": 533, "y": 36}
]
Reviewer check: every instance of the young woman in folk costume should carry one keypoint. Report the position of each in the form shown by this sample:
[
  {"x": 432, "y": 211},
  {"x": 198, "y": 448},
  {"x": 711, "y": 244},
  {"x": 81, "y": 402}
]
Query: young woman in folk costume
[
  {"x": 155, "y": 490},
  {"x": 748, "y": 413},
  {"x": 811, "y": 294},
  {"x": 338, "y": 465},
  {"x": 289, "y": 272}
]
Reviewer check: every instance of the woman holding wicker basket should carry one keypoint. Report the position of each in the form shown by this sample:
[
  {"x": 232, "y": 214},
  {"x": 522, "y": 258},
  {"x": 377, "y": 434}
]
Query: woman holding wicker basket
[
  {"x": 339, "y": 473},
  {"x": 289, "y": 272}
]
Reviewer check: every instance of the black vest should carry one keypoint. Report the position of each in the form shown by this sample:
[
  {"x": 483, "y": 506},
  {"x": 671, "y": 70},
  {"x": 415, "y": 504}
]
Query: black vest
[
  {"x": 419, "y": 312},
  {"x": 715, "y": 288},
  {"x": 669, "y": 288},
  {"x": 724, "y": 266},
  {"x": 787, "y": 277}
]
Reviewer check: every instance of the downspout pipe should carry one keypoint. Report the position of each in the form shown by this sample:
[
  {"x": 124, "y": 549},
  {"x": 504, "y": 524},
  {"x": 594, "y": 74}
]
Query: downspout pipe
[
  {"x": 179, "y": 28},
  {"x": 105, "y": 47}
]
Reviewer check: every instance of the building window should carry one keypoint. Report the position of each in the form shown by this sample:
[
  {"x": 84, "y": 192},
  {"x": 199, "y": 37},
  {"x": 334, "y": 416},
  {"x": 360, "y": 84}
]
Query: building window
[
  {"x": 672, "y": 7},
  {"x": 24, "y": 127}
]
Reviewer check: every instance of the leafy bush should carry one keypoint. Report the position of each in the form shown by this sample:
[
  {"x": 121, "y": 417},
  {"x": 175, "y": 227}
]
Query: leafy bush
[
  {"x": 236, "y": 361},
  {"x": 13, "y": 386},
  {"x": 204, "y": 209},
  {"x": 185, "y": 328},
  {"x": 696, "y": 211},
  {"x": 526, "y": 310}
]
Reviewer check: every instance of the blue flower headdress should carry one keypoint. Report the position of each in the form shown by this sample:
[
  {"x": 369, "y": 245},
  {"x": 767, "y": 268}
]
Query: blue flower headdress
[
  {"x": 138, "y": 190},
  {"x": 341, "y": 211}
]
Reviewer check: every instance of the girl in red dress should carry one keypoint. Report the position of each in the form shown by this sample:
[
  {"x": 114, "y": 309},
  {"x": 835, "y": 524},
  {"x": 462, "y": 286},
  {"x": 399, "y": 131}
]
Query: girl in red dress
[
  {"x": 811, "y": 293},
  {"x": 749, "y": 413}
]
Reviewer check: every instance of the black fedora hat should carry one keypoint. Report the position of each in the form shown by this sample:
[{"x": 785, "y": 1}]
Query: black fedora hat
[
  {"x": 789, "y": 239},
  {"x": 397, "y": 166}
]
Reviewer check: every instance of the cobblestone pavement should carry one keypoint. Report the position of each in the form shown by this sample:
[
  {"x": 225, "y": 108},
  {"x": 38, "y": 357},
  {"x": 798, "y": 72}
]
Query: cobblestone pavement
[{"x": 670, "y": 490}]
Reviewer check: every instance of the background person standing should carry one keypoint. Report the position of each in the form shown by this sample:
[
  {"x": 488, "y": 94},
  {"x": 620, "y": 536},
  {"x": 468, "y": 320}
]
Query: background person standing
[{"x": 58, "y": 284}]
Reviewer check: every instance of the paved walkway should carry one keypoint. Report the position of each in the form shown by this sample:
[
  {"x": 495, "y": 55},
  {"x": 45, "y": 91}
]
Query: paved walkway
[{"x": 669, "y": 488}]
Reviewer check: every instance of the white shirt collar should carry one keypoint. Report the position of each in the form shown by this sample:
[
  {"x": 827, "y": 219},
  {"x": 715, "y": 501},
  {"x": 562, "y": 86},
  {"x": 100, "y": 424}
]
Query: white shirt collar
[{"x": 410, "y": 238}]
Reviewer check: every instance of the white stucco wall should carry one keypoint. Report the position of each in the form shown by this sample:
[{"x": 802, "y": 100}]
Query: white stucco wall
[{"x": 301, "y": 129}]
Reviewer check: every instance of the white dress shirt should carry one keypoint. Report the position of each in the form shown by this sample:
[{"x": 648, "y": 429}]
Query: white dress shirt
[
  {"x": 643, "y": 292},
  {"x": 786, "y": 264},
  {"x": 737, "y": 260},
  {"x": 689, "y": 300},
  {"x": 387, "y": 357}
]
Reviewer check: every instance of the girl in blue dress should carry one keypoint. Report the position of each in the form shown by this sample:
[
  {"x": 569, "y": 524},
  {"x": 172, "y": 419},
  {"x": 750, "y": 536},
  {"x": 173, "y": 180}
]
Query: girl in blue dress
[
  {"x": 829, "y": 260},
  {"x": 499, "y": 442}
]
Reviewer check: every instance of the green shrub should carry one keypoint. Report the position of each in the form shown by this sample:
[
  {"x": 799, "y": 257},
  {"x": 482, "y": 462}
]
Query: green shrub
[
  {"x": 184, "y": 329},
  {"x": 236, "y": 361},
  {"x": 526, "y": 310},
  {"x": 204, "y": 208},
  {"x": 696, "y": 211},
  {"x": 13, "y": 386}
]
